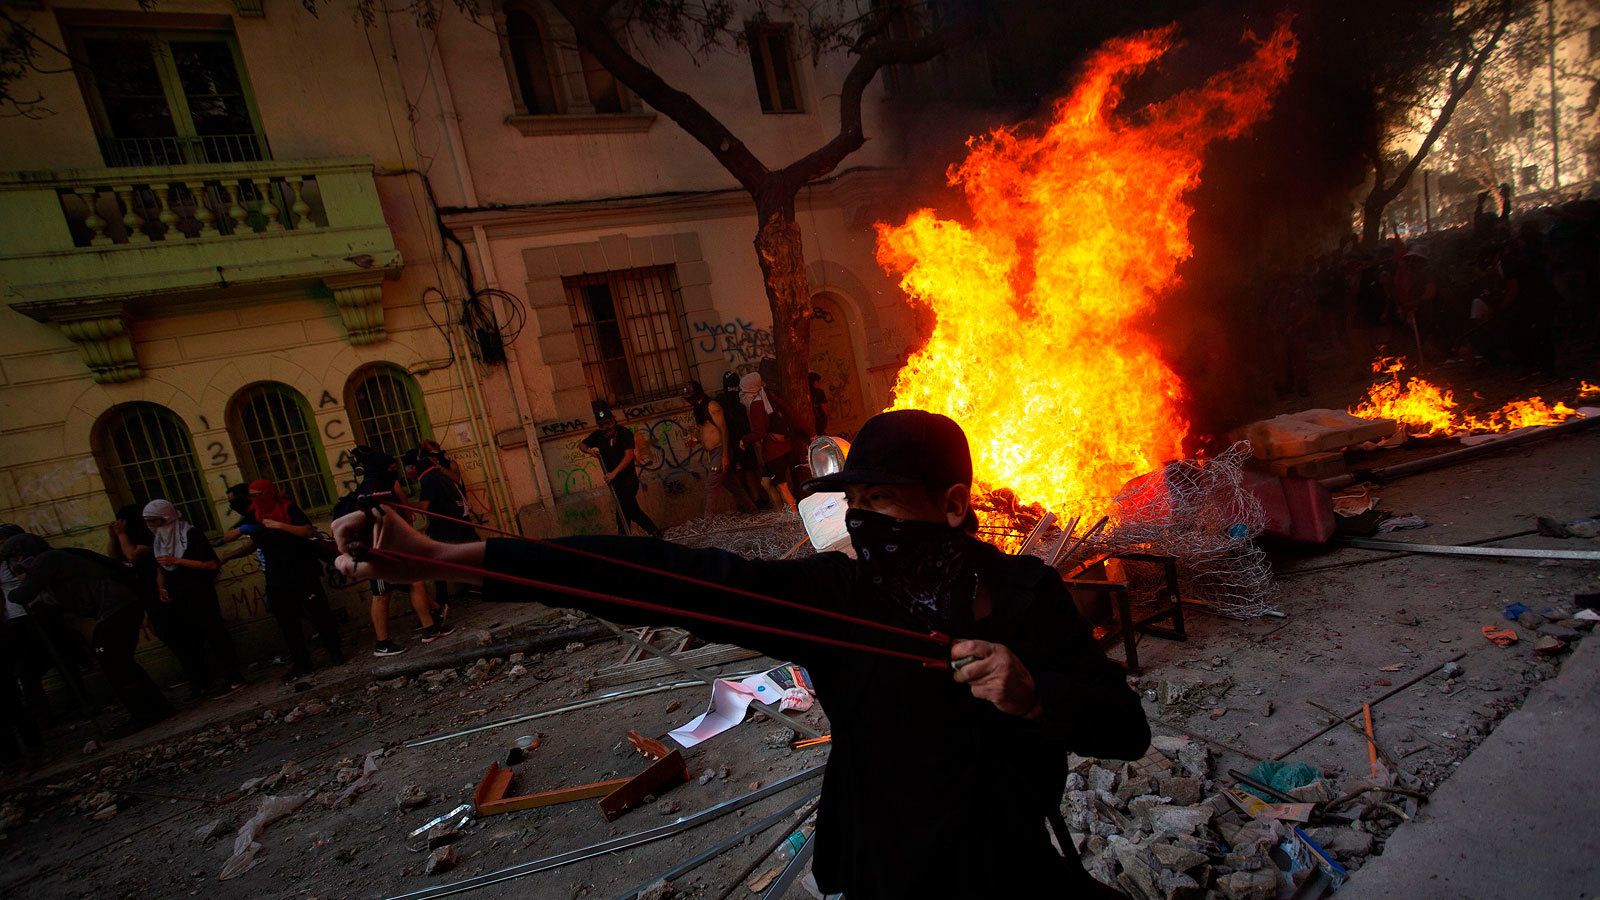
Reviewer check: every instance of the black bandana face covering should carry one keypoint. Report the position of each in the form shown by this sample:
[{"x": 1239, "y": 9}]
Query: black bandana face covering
[{"x": 923, "y": 567}]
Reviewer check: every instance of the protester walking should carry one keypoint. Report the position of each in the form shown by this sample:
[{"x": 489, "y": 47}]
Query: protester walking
[
  {"x": 88, "y": 585},
  {"x": 613, "y": 446},
  {"x": 130, "y": 543},
  {"x": 379, "y": 475},
  {"x": 283, "y": 533},
  {"x": 741, "y": 460},
  {"x": 819, "y": 402},
  {"x": 186, "y": 572},
  {"x": 439, "y": 493},
  {"x": 712, "y": 437},
  {"x": 769, "y": 439}
]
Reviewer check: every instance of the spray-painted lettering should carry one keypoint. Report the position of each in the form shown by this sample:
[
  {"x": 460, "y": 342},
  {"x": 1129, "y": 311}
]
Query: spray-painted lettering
[
  {"x": 741, "y": 343},
  {"x": 557, "y": 429}
]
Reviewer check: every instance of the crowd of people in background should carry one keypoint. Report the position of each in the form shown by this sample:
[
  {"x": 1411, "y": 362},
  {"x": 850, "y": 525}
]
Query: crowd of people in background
[
  {"x": 158, "y": 568},
  {"x": 71, "y": 609},
  {"x": 1516, "y": 288}
]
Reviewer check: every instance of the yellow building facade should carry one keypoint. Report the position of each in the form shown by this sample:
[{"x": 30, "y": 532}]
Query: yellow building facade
[{"x": 242, "y": 239}]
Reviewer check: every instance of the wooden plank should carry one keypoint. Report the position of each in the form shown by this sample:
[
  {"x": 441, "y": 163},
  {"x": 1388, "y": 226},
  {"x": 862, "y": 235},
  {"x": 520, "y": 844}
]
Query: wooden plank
[
  {"x": 490, "y": 797},
  {"x": 669, "y": 771}
]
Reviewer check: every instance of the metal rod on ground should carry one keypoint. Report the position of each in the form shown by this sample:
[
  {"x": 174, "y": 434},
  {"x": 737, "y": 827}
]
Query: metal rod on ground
[
  {"x": 1460, "y": 550},
  {"x": 565, "y": 707},
  {"x": 1395, "y": 555},
  {"x": 794, "y": 825},
  {"x": 712, "y": 852},
  {"x": 687, "y": 669},
  {"x": 1372, "y": 742},
  {"x": 1087, "y": 537},
  {"x": 624, "y": 842},
  {"x": 535, "y": 644},
  {"x": 1390, "y": 693},
  {"x": 1276, "y": 794},
  {"x": 791, "y": 872}
]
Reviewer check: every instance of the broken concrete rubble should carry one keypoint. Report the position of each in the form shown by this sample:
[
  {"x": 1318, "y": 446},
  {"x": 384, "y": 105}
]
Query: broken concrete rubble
[{"x": 441, "y": 860}]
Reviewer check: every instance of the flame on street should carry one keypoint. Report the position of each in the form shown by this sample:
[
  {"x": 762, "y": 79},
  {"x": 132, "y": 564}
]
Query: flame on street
[
  {"x": 1425, "y": 409},
  {"x": 1076, "y": 232}
]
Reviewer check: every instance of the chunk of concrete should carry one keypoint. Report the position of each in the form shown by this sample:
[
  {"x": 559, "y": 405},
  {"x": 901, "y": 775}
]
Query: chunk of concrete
[{"x": 1179, "y": 819}]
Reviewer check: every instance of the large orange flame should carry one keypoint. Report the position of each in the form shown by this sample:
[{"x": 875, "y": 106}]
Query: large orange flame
[
  {"x": 1424, "y": 409},
  {"x": 1074, "y": 235}
]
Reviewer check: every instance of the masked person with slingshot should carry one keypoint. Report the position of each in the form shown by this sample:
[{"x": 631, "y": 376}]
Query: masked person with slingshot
[{"x": 956, "y": 677}]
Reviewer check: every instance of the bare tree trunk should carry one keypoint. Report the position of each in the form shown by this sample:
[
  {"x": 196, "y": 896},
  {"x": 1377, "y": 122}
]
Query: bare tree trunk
[
  {"x": 783, "y": 267},
  {"x": 1372, "y": 219}
]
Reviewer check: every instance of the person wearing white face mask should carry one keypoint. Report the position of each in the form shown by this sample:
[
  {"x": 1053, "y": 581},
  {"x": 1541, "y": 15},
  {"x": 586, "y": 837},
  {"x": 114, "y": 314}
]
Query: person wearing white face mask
[
  {"x": 769, "y": 439},
  {"x": 186, "y": 575}
]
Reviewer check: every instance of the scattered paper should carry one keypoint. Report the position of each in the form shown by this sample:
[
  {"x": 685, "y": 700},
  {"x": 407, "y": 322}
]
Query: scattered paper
[
  {"x": 730, "y": 700},
  {"x": 787, "y": 686}
]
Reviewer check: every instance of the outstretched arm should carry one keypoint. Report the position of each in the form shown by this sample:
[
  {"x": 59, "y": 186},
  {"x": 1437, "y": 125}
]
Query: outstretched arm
[{"x": 627, "y": 568}]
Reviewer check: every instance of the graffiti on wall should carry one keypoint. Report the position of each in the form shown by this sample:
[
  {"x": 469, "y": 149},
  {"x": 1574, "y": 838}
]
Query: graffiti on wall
[
  {"x": 742, "y": 344},
  {"x": 672, "y": 470}
]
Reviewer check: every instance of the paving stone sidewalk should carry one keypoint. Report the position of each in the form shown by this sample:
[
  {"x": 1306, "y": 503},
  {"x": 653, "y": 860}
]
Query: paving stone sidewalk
[{"x": 1517, "y": 819}]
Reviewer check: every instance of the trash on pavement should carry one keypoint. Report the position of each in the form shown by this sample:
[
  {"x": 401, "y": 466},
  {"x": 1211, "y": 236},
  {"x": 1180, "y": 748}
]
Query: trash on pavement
[{"x": 1505, "y": 637}]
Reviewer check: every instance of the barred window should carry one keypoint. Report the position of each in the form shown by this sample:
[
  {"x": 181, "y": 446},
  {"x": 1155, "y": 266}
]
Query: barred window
[
  {"x": 145, "y": 454},
  {"x": 272, "y": 433},
  {"x": 630, "y": 328},
  {"x": 385, "y": 409}
]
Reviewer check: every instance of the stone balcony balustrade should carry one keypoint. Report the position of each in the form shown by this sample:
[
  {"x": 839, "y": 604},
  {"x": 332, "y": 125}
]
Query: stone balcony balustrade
[{"x": 89, "y": 249}]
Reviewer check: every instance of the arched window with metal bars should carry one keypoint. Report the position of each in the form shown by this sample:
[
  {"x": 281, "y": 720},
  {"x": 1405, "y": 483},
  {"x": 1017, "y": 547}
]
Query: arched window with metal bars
[
  {"x": 145, "y": 453},
  {"x": 272, "y": 433},
  {"x": 386, "y": 410}
]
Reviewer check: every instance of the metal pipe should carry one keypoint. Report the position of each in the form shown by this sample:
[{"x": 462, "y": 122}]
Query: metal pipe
[
  {"x": 1066, "y": 536},
  {"x": 467, "y": 656},
  {"x": 1038, "y": 529},
  {"x": 768, "y": 851},
  {"x": 1367, "y": 561},
  {"x": 1087, "y": 536},
  {"x": 1456, "y": 550},
  {"x": 565, "y": 707},
  {"x": 699, "y": 859},
  {"x": 1386, "y": 695},
  {"x": 626, "y": 842}
]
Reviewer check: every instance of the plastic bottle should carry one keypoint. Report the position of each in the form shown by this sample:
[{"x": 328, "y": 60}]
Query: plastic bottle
[{"x": 792, "y": 844}]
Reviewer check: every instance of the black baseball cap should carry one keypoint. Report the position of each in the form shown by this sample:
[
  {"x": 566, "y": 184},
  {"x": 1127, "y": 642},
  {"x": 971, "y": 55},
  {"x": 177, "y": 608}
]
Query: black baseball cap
[{"x": 904, "y": 446}]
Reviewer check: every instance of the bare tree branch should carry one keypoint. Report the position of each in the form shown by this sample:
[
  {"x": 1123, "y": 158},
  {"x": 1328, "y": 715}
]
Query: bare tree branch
[
  {"x": 593, "y": 31},
  {"x": 851, "y": 136}
]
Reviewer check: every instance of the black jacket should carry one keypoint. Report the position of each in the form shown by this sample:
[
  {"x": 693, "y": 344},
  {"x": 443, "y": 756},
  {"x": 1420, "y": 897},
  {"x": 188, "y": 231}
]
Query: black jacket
[
  {"x": 929, "y": 791},
  {"x": 81, "y": 582}
]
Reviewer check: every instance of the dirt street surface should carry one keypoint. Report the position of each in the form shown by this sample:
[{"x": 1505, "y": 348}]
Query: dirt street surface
[{"x": 157, "y": 815}]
